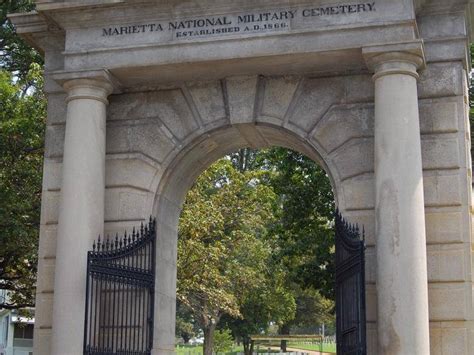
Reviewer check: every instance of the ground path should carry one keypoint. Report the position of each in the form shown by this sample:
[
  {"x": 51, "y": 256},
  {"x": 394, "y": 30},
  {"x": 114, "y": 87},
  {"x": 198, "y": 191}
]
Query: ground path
[{"x": 309, "y": 352}]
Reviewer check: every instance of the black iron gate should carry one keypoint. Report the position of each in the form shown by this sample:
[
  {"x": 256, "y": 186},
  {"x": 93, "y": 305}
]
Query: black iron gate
[
  {"x": 120, "y": 294},
  {"x": 350, "y": 289}
]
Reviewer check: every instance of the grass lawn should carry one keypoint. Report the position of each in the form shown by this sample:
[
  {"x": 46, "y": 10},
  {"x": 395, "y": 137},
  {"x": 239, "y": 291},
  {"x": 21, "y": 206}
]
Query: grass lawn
[
  {"x": 188, "y": 349},
  {"x": 197, "y": 349},
  {"x": 327, "y": 347}
]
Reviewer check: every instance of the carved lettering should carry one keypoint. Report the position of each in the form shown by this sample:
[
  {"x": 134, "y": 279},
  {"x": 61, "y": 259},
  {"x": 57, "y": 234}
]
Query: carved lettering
[
  {"x": 345, "y": 9},
  {"x": 229, "y": 24}
]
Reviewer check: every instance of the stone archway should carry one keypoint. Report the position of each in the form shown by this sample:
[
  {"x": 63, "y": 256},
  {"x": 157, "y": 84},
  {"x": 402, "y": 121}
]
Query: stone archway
[
  {"x": 179, "y": 177},
  {"x": 338, "y": 135},
  {"x": 398, "y": 153},
  {"x": 172, "y": 190}
]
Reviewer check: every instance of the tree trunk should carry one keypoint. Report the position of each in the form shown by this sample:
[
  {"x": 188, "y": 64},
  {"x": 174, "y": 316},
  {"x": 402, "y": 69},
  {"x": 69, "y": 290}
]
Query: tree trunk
[
  {"x": 248, "y": 346},
  {"x": 208, "y": 339},
  {"x": 284, "y": 330}
]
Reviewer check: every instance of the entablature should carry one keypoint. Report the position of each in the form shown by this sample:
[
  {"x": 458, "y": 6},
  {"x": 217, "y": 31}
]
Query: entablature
[{"x": 144, "y": 41}]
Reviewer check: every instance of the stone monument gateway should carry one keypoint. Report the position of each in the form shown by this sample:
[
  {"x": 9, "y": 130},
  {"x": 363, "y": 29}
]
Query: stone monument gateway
[{"x": 143, "y": 95}]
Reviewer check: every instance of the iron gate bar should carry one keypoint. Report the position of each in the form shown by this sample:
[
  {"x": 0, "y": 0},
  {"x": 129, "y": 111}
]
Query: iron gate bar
[
  {"x": 120, "y": 287},
  {"x": 350, "y": 289}
]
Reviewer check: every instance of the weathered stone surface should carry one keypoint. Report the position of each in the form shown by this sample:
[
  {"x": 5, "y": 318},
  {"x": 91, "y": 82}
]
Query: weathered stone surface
[
  {"x": 209, "y": 100},
  {"x": 370, "y": 265},
  {"x": 359, "y": 89},
  {"x": 50, "y": 207},
  {"x": 458, "y": 338},
  {"x": 46, "y": 278},
  {"x": 56, "y": 109},
  {"x": 317, "y": 97},
  {"x": 52, "y": 174},
  {"x": 342, "y": 123},
  {"x": 130, "y": 172},
  {"x": 126, "y": 107},
  {"x": 439, "y": 115},
  {"x": 278, "y": 95},
  {"x": 441, "y": 79},
  {"x": 447, "y": 50},
  {"x": 54, "y": 141},
  {"x": 440, "y": 152},
  {"x": 448, "y": 262},
  {"x": 43, "y": 314},
  {"x": 48, "y": 236},
  {"x": 442, "y": 189},
  {"x": 241, "y": 92},
  {"x": 162, "y": 331},
  {"x": 126, "y": 203},
  {"x": 359, "y": 193},
  {"x": 171, "y": 107},
  {"x": 372, "y": 346},
  {"x": 42, "y": 342},
  {"x": 436, "y": 26},
  {"x": 371, "y": 302},
  {"x": 449, "y": 301},
  {"x": 354, "y": 158},
  {"x": 444, "y": 227},
  {"x": 148, "y": 137},
  {"x": 449, "y": 337}
]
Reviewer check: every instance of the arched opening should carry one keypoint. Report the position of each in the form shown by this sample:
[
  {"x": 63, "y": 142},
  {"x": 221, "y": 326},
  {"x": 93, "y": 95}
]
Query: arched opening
[
  {"x": 256, "y": 254},
  {"x": 177, "y": 180}
]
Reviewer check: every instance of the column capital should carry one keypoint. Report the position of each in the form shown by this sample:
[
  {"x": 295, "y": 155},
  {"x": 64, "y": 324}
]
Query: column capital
[
  {"x": 91, "y": 84},
  {"x": 395, "y": 58}
]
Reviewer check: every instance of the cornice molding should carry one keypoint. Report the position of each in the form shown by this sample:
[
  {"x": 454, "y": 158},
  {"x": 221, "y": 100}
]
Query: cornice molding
[
  {"x": 100, "y": 76},
  {"x": 395, "y": 58}
]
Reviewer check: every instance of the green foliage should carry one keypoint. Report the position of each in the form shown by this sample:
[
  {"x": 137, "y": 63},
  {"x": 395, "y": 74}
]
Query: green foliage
[
  {"x": 22, "y": 112},
  {"x": 269, "y": 302},
  {"x": 223, "y": 254},
  {"x": 15, "y": 55},
  {"x": 304, "y": 232},
  {"x": 186, "y": 327},
  {"x": 256, "y": 245},
  {"x": 223, "y": 341},
  {"x": 21, "y": 158},
  {"x": 311, "y": 308}
]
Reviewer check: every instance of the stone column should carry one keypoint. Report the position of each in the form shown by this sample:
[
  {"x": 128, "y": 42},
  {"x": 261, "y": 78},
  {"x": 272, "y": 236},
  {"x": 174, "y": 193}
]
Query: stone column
[
  {"x": 81, "y": 216},
  {"x": 402, "y": 285}
]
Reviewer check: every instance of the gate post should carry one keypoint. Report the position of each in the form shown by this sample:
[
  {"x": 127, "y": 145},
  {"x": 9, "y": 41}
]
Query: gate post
[
  {"x": 402, "y": 285},
  {"x": 81, "y": 216}
]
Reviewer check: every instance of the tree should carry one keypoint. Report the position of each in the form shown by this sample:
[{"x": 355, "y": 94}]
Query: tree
[
  {"x": 185, "y": 325},
  {"x": 21, "y": 157},
  {"x": 16, "y": 56},
  {"x": 304, "y": 231},
  {"x": 294, "y": 239},
  {"x": 311, "y": 309},
  {"x": 271, "y": 302},
  {"x": 222, "y": 251},
  {"x": 303, "y": 235},
  {"x": 223, "y": 341},
  {"x": 22, "y": 112}
]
